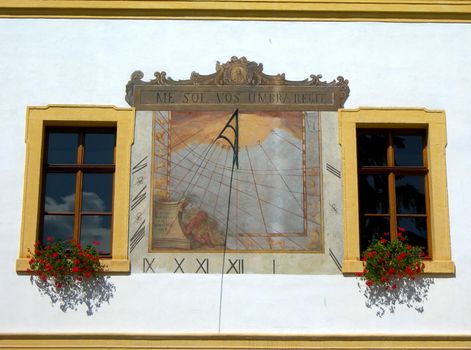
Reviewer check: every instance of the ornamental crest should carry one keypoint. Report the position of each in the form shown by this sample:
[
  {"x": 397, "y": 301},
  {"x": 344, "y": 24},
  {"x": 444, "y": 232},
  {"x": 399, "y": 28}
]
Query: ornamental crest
[{"x": 238, "y": 73}]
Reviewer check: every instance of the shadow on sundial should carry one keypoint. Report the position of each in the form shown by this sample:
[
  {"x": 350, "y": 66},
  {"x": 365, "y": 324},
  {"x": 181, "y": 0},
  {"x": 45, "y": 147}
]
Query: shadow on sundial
[
  {"x": 412, "y": 294},
  {"x": 91, "y": 293}
]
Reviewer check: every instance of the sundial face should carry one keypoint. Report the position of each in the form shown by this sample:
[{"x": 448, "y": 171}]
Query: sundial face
[
  {"x": 275, "y": 202},
  {"x": 281, "y": 206}
]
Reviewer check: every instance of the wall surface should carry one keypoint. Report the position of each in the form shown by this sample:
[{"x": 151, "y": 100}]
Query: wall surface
[{"x": 89, "y": 62}]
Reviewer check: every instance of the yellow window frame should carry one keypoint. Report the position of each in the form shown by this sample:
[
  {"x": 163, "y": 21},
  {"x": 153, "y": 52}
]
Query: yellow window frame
[
  {"x": 434, "y": 122},
  {"x": 37, "y": 119}
]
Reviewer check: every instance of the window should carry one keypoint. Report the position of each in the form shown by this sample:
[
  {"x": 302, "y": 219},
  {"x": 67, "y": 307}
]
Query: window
[
  {"x": 394, "y": 175},
  {"x": 77, "y": 177},
  {"x": 77, "y": 186}
]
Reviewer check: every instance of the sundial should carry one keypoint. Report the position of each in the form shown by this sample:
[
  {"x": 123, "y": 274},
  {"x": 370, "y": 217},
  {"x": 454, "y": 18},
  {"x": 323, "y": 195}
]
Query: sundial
[{"x": 270, "y": 188}]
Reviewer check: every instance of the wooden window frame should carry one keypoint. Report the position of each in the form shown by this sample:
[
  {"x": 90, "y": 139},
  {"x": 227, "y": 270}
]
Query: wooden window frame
[
  {"x": 392, "y": 170},
  {"x": 350, "y": 120},
  {"x": 79, "y": 168},
  {"x": 38, "y": 119}
]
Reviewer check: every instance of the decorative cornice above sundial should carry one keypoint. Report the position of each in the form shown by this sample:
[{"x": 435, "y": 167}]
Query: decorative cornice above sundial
[{"x": 236, "y": 83}]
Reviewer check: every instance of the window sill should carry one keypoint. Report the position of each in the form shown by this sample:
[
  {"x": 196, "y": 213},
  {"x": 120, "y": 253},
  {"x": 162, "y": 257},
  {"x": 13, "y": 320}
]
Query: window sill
[
  {"x": 434, "y": 267},
  {"x": 112, "y": 266}
]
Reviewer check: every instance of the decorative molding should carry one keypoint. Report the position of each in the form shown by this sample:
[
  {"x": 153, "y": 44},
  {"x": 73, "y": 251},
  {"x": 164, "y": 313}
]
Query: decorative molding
[
  {"x": 238, "y": 75},
  {"x": 236, "y": 71},
  {"x": 298, "y": 10},
  {"x": 248, "y": 341}
]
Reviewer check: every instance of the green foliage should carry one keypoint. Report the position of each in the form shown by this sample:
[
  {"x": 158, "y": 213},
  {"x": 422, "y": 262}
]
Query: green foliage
[
  {"x": 61, "y": 263},
  {"x": 386, "y": 261}
]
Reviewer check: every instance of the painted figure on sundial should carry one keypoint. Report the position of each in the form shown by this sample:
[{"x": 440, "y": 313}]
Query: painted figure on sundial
[{"x": 202, "y": 230}]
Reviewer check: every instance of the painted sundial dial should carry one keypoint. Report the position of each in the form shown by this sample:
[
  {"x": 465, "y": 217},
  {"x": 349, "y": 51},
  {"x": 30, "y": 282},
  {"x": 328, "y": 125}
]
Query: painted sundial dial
[{"x": 275, "y": 191}]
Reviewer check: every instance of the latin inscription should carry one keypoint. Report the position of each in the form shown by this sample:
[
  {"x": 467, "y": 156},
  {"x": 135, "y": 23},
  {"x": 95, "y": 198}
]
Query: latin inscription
[
  {"x": 183, "y": 97},
  {"x": 236, "y": 97}
]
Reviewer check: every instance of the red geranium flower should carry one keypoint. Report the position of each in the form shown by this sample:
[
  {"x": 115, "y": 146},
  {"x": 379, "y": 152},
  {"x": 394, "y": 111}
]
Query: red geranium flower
[
  {"x": 371, "y": 254},
  {"x": 401, "y": 256},
  {"x": 60, "y": 262}
]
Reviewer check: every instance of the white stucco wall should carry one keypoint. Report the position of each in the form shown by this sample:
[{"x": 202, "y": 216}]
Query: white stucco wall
[{"x": 89, "y": 62}]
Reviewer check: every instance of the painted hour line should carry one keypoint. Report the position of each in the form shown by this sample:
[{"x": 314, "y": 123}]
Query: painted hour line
[
  {"x": 137, "y": 236},
  {"x": 335, "y": 260},
  {"x": 140, "y": 165},
  {"x": 334, "y": 171}
]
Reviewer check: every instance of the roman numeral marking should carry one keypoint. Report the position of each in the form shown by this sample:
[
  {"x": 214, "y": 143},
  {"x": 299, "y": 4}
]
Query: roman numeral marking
[
  {"x": 147, "y": 265},
  {"x": 139, "y": 180},
  {"x": 274, "y": 266},
  {"x": 237, "y": 265},
  {"x": 202, "y": 265},
  {"x": 311, "y": 124},
  {"x": 137, "y": 236},
  {"x": 138, "y": 198},
  {"x": 140, "y": 165},
  {"x": 335, "y": 260},
  {"x": 334, "y": 208},
  {"x": 179, "y": 265},
  {"x": 334, "y": 171}
]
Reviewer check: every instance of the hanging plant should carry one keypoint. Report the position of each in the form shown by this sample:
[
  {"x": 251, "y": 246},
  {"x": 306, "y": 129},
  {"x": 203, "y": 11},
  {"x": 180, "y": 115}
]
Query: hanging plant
[
  {"x": 62, "y": 263},
  {"x": 387, "y": 261}
]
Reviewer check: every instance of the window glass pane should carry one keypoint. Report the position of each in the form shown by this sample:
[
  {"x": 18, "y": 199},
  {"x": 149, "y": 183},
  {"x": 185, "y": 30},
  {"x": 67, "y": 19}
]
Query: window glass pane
[
  {"x": 62, "y": 148},
  {"x": 99, "y": 148},
  {"x": 60, "y": 193},
  {"x": 372, "y": 229},
  {"x": 410, "y": 194},
  {"x": 96, "y": 229},
  {"x": 97, "y": 192},
  {"x": 415, "y": 231},
  {"x": 374, "y": 197},
  {"x": 408, "y": 150},
  {"x": 372, "y": 149},
  {"x": 60, "y": 227}
]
